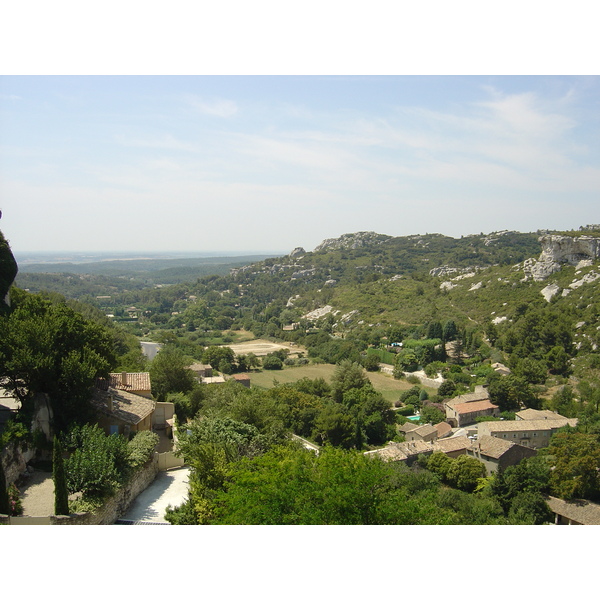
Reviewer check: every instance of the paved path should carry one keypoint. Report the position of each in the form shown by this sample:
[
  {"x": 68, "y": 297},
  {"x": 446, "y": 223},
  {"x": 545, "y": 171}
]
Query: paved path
[
  {"x": 169, "y": 487},
  {"x": 37, "y": 495}
]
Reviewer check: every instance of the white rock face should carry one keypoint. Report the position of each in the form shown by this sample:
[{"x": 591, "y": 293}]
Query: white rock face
[
  {"x": 475, "y": 286},
  {"x": 499, "y": 320},
  {"x": 550, "y": 291},
  {"x": 556, "y": 249},
  {"x": 591, "y": 276},
  {"x": 297, "y": 252}
]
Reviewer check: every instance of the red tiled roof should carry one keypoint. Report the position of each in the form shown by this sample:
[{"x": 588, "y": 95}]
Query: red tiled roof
[
  {"x": 134, "y": 382},
  {"x": 469, "y": 407}
]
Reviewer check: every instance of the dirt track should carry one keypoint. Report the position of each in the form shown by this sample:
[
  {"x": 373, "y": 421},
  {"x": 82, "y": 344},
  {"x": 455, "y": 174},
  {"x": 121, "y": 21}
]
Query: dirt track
[{"x": 263, "y": 347}]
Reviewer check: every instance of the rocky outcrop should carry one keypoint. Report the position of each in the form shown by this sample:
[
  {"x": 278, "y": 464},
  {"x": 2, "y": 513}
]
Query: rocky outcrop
[
  {"x": 352, "y": 241},
  {"x": 297, "y": 252},
  {"x": 8, "y": 272},
  {"x": 561, "y": 249}
]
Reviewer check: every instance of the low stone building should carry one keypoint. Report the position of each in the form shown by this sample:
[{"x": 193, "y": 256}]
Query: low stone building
[
  {"x": 533, "y": 433},
  {"x": 497, "y": 454},
  {"x": 452, "y": 446},
  {"x": 122, "y": 412},
  {"x": 423, "y": 433},
  {"x": 466, "y": 413},
  {"x": 574, "y": 512},
  {"x": 200, "y": 370}
]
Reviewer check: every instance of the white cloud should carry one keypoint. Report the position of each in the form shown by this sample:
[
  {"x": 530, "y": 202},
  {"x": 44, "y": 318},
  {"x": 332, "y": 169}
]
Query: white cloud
[
  {"x": 165, "y": 142},
  {"x": 218, "y": 107}
]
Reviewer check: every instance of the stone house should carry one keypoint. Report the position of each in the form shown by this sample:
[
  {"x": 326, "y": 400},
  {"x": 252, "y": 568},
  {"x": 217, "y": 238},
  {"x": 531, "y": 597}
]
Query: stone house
[
  {"x": 465, "y": 413},
  {"x": 497, "y": 454},
  {"x": 452, "y": 446},
  {"x": 423, "y": 433},
  {"x": 123, "y": 412},
  {"x": 533, "y": 433},
  {"x": 201, "y": 371},
  {"x": 444, "y": 429}
]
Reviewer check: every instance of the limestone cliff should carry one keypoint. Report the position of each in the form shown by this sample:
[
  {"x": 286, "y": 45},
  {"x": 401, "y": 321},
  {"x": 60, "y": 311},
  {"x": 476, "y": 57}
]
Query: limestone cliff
[
  {"x": 352, "y": 241},
  {"x": 561, "y": 249},
  {"x": 8, "y": 272}
]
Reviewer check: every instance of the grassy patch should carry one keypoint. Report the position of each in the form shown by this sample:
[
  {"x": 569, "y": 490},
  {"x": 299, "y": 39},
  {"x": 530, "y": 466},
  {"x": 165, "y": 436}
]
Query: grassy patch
[{"x": 389, "y": 387}]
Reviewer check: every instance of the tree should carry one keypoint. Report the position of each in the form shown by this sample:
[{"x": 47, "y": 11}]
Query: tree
[
  {"x": 432, "y": 414},
  {"x": 61, "y": 494},
  {"x": 464, "y": 472},
  {"x": 530, "y": 506},
  {"x": 510, "y": 392},
  {"x": 49, "y": 348},
  {"x": 4, "y": 502},
  {"x": 347, "y": 375},
  {"x": 575, "y": 458},
  {"x": 272, "y": 363},
  {"x": 169, "y": 372}
]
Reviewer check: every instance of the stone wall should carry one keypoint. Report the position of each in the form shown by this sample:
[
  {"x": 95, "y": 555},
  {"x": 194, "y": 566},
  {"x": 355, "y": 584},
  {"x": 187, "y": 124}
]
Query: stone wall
[
  {"x": 118, "y": 505},
  {"x": 111, "y": 510},
  {"x": 14, "y": 460}
]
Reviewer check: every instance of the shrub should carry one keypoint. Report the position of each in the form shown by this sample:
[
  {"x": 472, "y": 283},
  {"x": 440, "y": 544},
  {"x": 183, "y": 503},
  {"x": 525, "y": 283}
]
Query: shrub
[
  {"x": 100, "y": 463},
  {"x": 14, "y": 501},
  {"x": 272, "y": 363},
  {"x": 141, "y": 448}
]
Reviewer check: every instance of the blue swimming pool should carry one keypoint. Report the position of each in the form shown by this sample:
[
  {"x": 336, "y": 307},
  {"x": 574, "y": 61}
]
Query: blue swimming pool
[{"x": 414, "y": 418}]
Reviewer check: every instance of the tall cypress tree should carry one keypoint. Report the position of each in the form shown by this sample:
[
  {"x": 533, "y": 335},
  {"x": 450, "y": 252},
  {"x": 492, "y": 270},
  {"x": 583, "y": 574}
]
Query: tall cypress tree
[
  {"x": 61, "y": 495},
  {"x": 4, "y": 503}
]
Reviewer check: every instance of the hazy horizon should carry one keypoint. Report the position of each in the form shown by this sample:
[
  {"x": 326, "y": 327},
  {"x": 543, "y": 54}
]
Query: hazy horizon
[{"x": 194, "y": 163}]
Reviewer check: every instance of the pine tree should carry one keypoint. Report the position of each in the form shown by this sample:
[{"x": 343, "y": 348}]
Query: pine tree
[{"x": 61, "y": 495}]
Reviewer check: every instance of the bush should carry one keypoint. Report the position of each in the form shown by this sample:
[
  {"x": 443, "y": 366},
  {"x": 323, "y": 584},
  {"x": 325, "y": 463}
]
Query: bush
[
  {"x": 14, "y": 501},
  {"x": 141, "y": 448},
  {"x": 272, "y": 363},
  {"x": 98, "y": 465}
]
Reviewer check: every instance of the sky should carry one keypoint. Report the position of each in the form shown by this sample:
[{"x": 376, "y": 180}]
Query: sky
[{"x": 269, "y": 163}]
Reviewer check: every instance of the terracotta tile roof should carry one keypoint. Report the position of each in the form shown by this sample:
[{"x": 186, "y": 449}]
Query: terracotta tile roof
[
  {"x": 241, "y": 376},
  {"x": 476, "y": 396},
  {"x": 476, "y": 406},
  {"x": 491, "y": 446},
  {"x": 127, "y": 407},
  {"x": 395, "y": 451},
  {"x": 530, "y": 414},
  {"x": 408, "y": 427},
  {"x": 533, "y": 425},
  {"x": 199, "y": 367},
  {"x": 129, "y": 382},
  {"x": 424, "y": 430},
  {"x": 581, "y": 511},
  {"x": 443, "y": 428},
  {"x": 452, "y": 444}
]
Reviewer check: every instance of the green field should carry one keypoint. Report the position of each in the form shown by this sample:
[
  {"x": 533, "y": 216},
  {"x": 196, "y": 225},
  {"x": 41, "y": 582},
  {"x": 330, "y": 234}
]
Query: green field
[{"x": 389, "y": 387}]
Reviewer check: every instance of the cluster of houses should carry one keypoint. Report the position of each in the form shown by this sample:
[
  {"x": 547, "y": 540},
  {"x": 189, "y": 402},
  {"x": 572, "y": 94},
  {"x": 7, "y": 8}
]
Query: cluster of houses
[{"x": 498, "y": 444}]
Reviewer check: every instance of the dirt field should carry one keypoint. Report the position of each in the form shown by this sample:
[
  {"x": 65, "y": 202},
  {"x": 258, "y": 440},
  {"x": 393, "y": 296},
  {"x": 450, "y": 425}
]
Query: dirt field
[{"x": 264, "y": 347}]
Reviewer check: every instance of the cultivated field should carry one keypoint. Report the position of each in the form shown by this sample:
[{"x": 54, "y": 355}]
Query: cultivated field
[{"x": 389, "y": 387}]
